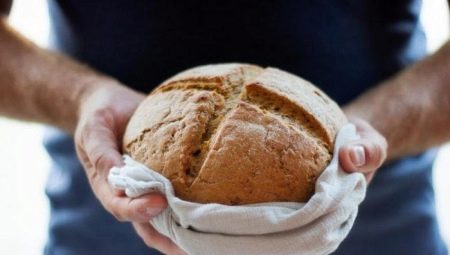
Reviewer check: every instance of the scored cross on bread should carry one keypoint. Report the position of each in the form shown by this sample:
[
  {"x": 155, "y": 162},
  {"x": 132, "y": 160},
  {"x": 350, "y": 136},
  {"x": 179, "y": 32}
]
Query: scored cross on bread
[{"x": 236, "y": 134}]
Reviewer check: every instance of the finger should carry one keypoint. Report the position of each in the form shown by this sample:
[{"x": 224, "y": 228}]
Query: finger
[
  {"x": 156, "y": 240},
  {"x": 103, "y": 154},
  {"x": 366, "y": 131},
  {"x": 375, "y": 147},
  {"x": 351, "y": 157},
  {"x": 98, "y": 154},
  {"x": 140, "y": 209},
  {"x": 100, "y": 145},
  {"x": 123, "y": 208},
  {"x": 364, "y": 155}
]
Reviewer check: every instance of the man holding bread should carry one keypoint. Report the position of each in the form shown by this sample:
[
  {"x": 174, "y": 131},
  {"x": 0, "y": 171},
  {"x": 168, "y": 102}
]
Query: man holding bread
[{"x": 361, "y": 53}]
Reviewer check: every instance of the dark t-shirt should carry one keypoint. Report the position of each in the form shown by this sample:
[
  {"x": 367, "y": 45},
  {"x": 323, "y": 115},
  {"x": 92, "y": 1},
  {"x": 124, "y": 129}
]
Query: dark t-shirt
[{"x": 344, "y": 47}]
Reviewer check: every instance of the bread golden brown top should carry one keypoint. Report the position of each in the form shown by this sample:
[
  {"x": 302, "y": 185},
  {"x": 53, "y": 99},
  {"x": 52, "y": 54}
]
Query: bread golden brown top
[{"x": 236, "y": 134}]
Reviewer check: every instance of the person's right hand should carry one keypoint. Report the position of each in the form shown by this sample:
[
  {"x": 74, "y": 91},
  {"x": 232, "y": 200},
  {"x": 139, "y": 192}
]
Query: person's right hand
[
  {"x": 103, "y": 115},
  {"x": 366, "y": 154}
]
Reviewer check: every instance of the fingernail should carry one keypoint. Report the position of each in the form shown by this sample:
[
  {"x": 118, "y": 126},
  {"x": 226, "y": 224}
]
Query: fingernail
[
  {"x": 357, "y": 155},
  {"x": 153, "y": 211}
]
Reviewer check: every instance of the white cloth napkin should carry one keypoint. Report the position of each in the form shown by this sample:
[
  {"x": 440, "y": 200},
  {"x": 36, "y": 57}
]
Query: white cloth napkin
[{"x": 315, "y": 227}]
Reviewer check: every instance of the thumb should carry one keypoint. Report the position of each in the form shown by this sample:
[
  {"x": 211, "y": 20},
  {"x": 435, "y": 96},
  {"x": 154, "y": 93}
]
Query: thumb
[
  {"x": 366, "y": 154},
  {"x": 363, "y": 156}
]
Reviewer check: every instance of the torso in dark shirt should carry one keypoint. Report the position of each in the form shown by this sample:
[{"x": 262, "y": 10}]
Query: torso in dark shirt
[{"x": 344, "y": 47}]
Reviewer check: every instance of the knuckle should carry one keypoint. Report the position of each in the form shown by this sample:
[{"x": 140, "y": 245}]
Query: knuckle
[
  {"x": 92, "y": 175},
  {"x": 102, "y": 162},
  {"x": 104, "y": 115},
  {"x": 97, "y": 119}
]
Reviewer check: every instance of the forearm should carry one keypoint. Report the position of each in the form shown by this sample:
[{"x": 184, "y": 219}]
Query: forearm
[
  {"x": 412, "y": 109},
  {"x": 41, "y": 86}
]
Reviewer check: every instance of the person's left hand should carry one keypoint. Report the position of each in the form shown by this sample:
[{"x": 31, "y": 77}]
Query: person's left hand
[{"x": 366, "y": 154}]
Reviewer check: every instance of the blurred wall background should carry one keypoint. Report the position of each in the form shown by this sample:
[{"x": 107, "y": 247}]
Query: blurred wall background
[{"x": 24, "y": 163}]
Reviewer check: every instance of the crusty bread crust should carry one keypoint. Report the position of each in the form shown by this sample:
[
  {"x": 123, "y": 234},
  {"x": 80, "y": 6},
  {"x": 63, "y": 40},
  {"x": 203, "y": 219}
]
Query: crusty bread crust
[{"x": 236, "y": 134}]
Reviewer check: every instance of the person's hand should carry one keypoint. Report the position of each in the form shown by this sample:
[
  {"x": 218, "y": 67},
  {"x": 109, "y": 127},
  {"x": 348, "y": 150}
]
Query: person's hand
[
  {"x": 364, "y": 155},
  {"x": 103, "y": 116}
]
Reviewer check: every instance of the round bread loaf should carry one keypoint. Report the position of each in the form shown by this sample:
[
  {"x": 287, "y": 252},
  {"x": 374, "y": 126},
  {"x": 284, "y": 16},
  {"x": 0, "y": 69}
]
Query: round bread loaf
[{"x": 236, "y": 134}]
